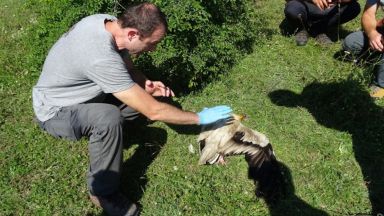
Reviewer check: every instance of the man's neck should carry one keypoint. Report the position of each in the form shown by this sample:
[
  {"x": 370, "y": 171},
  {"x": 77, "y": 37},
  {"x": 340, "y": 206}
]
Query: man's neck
[{"x": 118, "y": 35}]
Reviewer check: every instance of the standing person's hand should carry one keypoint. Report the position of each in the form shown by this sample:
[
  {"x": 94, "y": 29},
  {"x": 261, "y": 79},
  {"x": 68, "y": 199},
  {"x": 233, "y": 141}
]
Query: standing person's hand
[
  {"x": 322, "y": 4},
  {"x": 157, "y": 88},
  {"x": 376, "y": 41},
  {"x": 213, "y": 114}
]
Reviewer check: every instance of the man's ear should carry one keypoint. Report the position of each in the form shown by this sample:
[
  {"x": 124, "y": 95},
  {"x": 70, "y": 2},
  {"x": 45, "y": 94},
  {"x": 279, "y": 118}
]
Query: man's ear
[{"x": 132, "y": 33}]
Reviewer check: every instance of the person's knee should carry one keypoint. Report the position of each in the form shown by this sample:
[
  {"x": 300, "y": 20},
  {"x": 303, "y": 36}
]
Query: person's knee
[
  {"x": 352, "y": 11},
  {"x": 347, "y": 44},
  {"x": 109, "y": 116},
  {"x": 293, "y": 9},
  {"x": 353, "y": 43},
  {"x": 355, "y": 8}
]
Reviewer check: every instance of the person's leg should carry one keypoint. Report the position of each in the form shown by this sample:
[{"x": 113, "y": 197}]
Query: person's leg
[
  {"x": 347, "y": 12},
  {"x": 320, "y": 21},
  {"x": 296, "y": 15},
  {"x": 127, "y": 112},
  {"x": 379, "y": 69},
  {"x": 316, "y": 18},
  {"x": 325, "y": 22},
  {"x": 377, "y": 86},
  {"x": 102, "y": 123},
  {"x": 356, "y": 44}
]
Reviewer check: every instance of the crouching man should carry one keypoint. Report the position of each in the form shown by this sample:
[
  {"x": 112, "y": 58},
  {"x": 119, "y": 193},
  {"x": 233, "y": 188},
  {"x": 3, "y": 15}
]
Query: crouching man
[
  {"x": 368, "y": 43},
  {"x": 85, "y": 71}
]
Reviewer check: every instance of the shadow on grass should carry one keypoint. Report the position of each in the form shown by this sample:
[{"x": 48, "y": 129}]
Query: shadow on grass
[
  {"x": 134, "y": 178},
  {"x": 344, "y": 106},
  {"x": 150, "y": 140},
  {"x": 291, "y": 204}
]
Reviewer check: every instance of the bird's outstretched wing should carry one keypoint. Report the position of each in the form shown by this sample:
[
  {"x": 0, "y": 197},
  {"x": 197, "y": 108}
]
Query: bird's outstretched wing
[
  {"x": 232, "y": 139},
  {"x": 208, "y": 154},
  {"x": 256, "y": 154}
]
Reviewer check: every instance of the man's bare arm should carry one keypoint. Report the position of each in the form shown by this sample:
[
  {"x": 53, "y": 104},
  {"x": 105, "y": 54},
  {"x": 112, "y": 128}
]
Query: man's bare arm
[
  {"x": 369, "y": 24},
  {"x": 136, "y": 75},
  {"x": 155, "y": 88},
  {"x": 138, "y": 99}
]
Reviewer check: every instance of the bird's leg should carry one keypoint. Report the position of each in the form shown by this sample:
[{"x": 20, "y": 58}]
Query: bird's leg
[{"x": 221, "y": 160}]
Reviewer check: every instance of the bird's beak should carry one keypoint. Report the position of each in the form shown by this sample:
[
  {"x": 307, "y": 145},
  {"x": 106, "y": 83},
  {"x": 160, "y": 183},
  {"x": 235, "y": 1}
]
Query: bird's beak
[{"x": 239, "y": 117}]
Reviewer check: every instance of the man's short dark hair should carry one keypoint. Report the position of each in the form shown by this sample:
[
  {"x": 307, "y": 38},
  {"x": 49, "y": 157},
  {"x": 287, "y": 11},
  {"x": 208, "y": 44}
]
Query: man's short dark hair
[{"x": 144, "y": 17}]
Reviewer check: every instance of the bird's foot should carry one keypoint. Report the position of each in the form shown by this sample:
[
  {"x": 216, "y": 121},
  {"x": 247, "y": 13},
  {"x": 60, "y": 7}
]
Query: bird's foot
[{"x": 221, "y": 160}]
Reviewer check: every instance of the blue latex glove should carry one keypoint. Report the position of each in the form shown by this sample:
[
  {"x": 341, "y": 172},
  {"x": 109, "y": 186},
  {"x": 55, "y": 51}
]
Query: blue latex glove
[{"x": 210, "y": 115}]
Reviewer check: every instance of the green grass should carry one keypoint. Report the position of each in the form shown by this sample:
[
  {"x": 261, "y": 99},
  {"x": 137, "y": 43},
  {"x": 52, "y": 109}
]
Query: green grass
[{"x": 325, "y": 130}]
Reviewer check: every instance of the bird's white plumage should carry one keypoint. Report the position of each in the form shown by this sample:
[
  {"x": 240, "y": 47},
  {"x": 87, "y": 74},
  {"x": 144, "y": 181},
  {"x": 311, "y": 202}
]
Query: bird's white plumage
[{"x": 224, "y": 139}]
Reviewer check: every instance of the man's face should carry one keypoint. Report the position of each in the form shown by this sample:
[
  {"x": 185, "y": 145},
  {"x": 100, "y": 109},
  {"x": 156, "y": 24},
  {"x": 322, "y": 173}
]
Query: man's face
[{"x": 140, "y": 45}]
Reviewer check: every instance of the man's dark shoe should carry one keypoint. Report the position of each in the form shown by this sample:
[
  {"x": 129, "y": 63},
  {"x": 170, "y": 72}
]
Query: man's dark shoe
[
  {"x": 301, "y": 37},
  {"x": 116, "y": 205},
  {"x": 323, "y": 39}
]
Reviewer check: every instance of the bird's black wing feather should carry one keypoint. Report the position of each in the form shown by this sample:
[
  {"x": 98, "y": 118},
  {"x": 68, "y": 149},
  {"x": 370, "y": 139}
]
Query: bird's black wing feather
[{"x": 259, "y": 155}]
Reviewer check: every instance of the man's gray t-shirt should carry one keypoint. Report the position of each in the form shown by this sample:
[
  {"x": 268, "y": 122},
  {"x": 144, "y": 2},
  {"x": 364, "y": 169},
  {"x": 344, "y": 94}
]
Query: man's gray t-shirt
[{"x": 82, "y": 65}]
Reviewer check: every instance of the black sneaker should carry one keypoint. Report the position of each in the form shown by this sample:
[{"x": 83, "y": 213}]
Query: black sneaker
[
  {"x": 116, "y": 205},
  {"x": 301, "y": 37},
  {"x": 323, "y": 39}
]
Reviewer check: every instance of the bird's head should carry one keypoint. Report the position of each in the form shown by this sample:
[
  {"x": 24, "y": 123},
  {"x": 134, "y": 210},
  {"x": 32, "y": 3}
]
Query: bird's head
[{"x": 239, "y": 117}]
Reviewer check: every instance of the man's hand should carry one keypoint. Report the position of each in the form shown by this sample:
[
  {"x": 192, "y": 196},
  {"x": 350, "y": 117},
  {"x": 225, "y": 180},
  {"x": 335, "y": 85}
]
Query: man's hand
[
  {"x": 213, "y": 114},
  {"x": 376, "y": 41},
  {"x": 322, "y": 4},
  {"x": 332, "y": 3},
  {"x": 157, "y": 88}
]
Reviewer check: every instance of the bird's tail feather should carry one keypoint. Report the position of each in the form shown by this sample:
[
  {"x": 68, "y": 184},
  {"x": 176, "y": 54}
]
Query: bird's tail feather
[
  {"x": 258, "y": 158},
  {"x": 265, "y": 170}
]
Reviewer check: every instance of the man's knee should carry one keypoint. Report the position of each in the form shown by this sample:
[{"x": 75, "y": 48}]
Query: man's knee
[
  {"x": 293, "y": 9},
  {"x": 354, "y": 42},
  {"x": 354, "y": 8},
  {"x": 108, "y": 115},
  {"x": 351, "y": 11}
]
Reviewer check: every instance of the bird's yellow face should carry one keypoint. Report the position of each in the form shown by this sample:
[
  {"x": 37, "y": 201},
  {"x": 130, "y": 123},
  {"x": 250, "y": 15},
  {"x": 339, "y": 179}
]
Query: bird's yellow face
[{"x": 239, "y": 117}]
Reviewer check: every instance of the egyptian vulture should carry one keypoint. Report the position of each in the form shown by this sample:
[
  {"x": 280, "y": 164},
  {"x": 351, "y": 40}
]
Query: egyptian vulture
[{"x": 231, "y": 137}]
